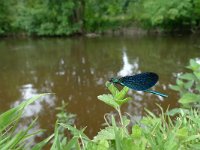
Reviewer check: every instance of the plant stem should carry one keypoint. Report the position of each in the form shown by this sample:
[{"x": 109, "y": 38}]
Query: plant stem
[
  {"x": 120, "y": 115},
  {"x": 83, "y": 145}
]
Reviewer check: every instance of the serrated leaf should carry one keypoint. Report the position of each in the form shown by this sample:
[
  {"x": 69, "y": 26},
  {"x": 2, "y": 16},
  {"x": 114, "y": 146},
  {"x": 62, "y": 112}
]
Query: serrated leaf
[
  {"x": 189, "y": 98},
  {"x": 112, "y": 88},
  {"x": 108, "y": 99},
  {"x": 74, "y": 130},
  {"x": 120, "y": 95},
  {"x": 105, "y": 134},
  {"x": 120, "y": 102}
]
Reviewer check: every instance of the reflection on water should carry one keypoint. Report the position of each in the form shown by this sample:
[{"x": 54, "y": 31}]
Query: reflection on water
[
  {"x": 27, "y": 91},
  {"x": 76, "y": 69},
  {"x": 127, "y": 67}
]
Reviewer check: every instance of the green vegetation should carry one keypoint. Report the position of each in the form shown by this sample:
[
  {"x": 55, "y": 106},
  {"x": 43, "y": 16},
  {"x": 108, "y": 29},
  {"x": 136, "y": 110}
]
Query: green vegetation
[
  {"x": 171, "y": 130},
  {"x": 63, "y": 18},
  {"x": 169, "y": 15},
  {"x": 188, "y": 85},
  {"x": 10, "y": 137}
]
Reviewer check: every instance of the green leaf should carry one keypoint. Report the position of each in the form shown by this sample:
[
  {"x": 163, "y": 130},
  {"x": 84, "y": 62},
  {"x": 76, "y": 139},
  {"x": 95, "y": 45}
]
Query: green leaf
[
  {"x": 71, "y": 143},
  {"x": 195, "y": 146},
  {"x": 198, "y": 87},
  {"x": 40, "y": 145},
  {"x": 56, "y": 143},
  {"x": 90, "y": 146},
  {"x": 175, "y": 111},
  {"x": 189, "y": 98},
  {"x": 103, "y": 145},
  {"x": 179, "y": 82},
  {"x": 174, "y": 87},
  {"x": 193, "y": 65},
  {"x": 20, "y": 137},
  {"x": 109, "y": 100},
  {"x": 120, "y": 102},
  {"x": 105, "y": 134},
  {"x": 182, "y": 133},
  {"x": 112, "y": 88},
  {"x": 127, "y": 144},
  {"x": 197, "y": 74},
  {"x": 157, "y": 19},
  {"x": 113, "y": 121},
  {"x": 187, "y": 76},
  {"x": 192, "y": 138},
  {"x": 136, "y": 131},
  {"x": 74, "y": 131},
  {"x": 14, "y": 140},
  {"x": 10, "y": 116},
  {"x": 122, "y": 93},
  {"x": 125, "y": 120},
  {"x": 173, "y": 13},
  {"x": 188, "y": 84},
  {"x": 118, "y": 138}
]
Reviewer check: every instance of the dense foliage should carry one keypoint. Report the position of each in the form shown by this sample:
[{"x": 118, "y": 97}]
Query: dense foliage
[
  {"x": 171, "y": 15},
  {"x": 4, "y": 17},
  {"x": 48, "y": 17},
  {"x": 188, "y": 85},
  {"x": 61, "y": 18}
]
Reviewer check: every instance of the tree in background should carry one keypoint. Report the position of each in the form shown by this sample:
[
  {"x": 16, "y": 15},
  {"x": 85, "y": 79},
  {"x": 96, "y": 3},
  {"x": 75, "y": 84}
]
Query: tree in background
[
  {"x": 48, "y": 17},
  {"x": 168, "y": 15},
  {"x": 4, "y": 16},
  {"x": 67, "y": 17}
]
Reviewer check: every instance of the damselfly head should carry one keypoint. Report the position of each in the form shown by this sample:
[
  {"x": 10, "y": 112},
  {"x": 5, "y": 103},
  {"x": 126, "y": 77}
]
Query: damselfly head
[{"x": 114, "y": 80}]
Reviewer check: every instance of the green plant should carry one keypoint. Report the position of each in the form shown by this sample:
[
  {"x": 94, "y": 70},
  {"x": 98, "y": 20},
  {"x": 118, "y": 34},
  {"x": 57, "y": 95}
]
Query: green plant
[
  {"x": 168, "y": 15},
  {"x": 64, "y": 119},
  {"x": 115, "y": 99},
  {"x": 10, "y": 138},
  {"x": 152, "y": 132},
  {"x": 188, "y": 85}
]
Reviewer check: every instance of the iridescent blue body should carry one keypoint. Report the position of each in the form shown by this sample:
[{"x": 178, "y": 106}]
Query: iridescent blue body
[{"x": 140, "y": 82}]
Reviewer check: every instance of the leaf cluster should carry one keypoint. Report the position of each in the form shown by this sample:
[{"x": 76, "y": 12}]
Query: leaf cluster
[{"x": 188, "y": 85}]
